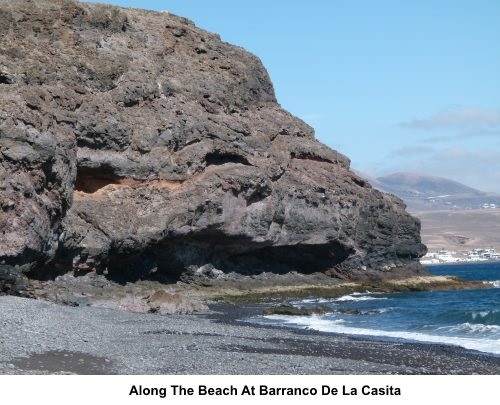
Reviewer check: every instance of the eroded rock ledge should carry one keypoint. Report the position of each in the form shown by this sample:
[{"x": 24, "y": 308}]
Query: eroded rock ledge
[{"x": 140, "y": 147}]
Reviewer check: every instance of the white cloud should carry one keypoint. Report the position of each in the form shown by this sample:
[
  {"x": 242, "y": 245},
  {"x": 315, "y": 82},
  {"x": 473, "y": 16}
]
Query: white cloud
[
  {"x": 471, "y": 119},
  {"x": 440, "y": 138},
  {"x": 466, "y": 134},
  {"x": 410, "y": 151},
  {"x": 474, "y": 133}
]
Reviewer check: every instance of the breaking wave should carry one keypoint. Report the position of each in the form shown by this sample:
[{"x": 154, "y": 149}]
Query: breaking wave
[
  {"x": 475, "y": 341},
  {"x": 494, "y": 283},
  {"x": 359, "y": 297}
]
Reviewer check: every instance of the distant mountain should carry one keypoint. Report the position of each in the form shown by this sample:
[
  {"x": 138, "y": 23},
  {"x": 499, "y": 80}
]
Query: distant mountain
[
  {"x": 424, "y": 186},
  {"x": 424, "y": 193}
]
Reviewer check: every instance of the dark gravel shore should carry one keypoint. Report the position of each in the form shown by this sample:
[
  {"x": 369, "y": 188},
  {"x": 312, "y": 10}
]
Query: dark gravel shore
[{"x": 44, "y": 338}]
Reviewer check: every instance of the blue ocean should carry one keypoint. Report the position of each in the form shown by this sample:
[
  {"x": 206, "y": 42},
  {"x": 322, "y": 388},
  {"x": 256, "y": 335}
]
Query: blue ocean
[{"x": 466, "y": 318}]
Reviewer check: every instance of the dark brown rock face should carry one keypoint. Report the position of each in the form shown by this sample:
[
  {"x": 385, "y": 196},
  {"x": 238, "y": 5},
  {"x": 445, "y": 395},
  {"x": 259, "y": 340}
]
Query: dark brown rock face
[{"x": 135, "y": 144}]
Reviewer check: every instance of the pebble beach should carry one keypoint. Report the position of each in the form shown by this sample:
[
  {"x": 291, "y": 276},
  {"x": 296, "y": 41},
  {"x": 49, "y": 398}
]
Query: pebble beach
[{"x": 38, "y": 337}]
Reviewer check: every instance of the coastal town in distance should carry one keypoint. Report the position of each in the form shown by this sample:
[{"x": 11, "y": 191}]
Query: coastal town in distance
[{"x": 447, "y": 256}]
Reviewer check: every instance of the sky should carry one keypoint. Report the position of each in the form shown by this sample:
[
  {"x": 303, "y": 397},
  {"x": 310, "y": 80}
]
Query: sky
[{"x": 397, "y": 86}]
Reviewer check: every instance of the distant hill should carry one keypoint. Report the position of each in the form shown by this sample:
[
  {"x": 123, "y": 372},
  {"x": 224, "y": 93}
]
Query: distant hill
[
  {"x": 423, "y": 186},
  {"x": 430, "y": 193}
]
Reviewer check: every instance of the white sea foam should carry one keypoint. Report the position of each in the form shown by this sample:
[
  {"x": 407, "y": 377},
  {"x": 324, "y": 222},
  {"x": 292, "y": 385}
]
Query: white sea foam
[
  {"x": 475, "y": 329},
  {"x": 495, "y": 283},
  {"x": 319, "y": 323},
  {"x": 359, "y": 297},
  {"x": 480, "y": 314},
  {"x": 367, "y": 292},
  {"x": 483, "y": 314},
  {"x": 313, "y": 301},
  {"x": 355, "y": 296},
  {"x": 379, "y": 310}
]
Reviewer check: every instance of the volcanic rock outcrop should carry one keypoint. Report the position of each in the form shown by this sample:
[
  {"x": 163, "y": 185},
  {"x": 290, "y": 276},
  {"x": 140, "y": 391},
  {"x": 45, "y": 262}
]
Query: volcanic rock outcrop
[{"x": 136, "y": 145}]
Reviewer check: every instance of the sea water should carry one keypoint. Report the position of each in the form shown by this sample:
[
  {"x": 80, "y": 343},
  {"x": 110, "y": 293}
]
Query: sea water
[{"x": 467, "y": 318}]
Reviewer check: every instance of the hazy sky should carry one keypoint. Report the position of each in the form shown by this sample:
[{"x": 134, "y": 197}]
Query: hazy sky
[{"x": 395, "y": 85}]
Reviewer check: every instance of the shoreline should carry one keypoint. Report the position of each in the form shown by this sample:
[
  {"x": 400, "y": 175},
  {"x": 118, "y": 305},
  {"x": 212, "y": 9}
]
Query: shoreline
[
  {"x": 236, "y": 313},
  {"x": 45, "y": 338}
]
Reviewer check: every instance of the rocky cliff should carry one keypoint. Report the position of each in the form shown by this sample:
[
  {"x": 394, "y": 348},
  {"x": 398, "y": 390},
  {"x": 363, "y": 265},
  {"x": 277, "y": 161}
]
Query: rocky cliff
[{"x": 138, "y": 146}]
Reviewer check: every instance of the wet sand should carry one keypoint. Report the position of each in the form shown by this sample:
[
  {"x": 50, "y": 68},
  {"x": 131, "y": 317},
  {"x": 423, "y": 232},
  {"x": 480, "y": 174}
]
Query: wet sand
[{"x": 44, "y": 338}]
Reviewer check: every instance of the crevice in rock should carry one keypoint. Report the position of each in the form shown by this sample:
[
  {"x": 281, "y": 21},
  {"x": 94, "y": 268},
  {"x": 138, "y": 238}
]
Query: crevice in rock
[
  {"x": 6, "y": 79},
  {"x": 200, "y": 257},
  {"x": 49, "y": 271},
  {"x": 258, "y": 196},
  {"x": 132, "y": 103},
  {"x": 309, "y": 156},
  {"x": 305, "y": 259},
  {"x": 143, "y": 266},
  {"x": 90, "y": 180},
  {"x": 220, "y": 158},
  {"x": 360, "y": 182}
]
